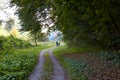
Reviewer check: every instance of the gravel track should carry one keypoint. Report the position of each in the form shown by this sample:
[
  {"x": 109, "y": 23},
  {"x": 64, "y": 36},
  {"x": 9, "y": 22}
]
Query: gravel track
[
  {"x": 38, "y": 72},
  {"x": 59, "y": 73}
]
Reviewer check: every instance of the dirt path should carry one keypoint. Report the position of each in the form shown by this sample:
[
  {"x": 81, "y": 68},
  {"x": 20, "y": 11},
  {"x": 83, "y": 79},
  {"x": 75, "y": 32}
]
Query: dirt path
[
  {"x": 38, "y": 72},
  {"x": 59, "y": 73}
]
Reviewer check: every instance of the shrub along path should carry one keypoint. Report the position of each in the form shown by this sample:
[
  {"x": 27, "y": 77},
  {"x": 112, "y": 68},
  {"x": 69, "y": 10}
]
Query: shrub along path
[{"x": 38, "y": 72}]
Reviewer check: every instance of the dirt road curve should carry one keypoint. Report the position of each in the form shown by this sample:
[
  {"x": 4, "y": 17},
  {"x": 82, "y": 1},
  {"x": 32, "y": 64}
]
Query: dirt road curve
[{"x": 38, "y": 72}]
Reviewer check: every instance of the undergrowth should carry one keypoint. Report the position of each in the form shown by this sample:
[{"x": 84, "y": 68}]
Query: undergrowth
[
  {"x": 76, "y": 67},
  {"x": 18, "y": 64}
]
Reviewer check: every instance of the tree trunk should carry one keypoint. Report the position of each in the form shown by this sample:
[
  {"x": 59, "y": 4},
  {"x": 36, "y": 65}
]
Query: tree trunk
[{"x": 35, "y": 40}]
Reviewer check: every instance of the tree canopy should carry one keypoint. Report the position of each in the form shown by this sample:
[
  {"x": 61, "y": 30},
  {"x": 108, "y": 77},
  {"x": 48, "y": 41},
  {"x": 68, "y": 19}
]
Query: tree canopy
[
  {"x": 91, "y": 21},
  {"x": 27, "y": 14}
]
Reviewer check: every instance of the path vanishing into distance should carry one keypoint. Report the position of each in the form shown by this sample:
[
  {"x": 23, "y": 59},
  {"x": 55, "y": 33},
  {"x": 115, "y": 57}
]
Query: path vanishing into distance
[{"x": 38, "y": 72}]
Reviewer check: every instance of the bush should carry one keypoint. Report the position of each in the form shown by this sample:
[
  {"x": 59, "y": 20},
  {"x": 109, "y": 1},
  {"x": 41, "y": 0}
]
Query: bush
[
  {"x": 19, "y": 64},
  {"x": 16, "y": 66},
  {"x": 11, "y": 42}
]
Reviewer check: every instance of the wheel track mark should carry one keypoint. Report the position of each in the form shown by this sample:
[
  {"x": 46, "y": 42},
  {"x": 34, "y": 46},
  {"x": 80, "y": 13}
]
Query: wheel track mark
[
  {"x": 38, "y": 71},
  {"x": 59, "y": 73}
]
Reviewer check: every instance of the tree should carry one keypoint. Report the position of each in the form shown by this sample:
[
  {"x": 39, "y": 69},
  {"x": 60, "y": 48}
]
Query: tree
[
  {"x": 91, "y": 21},
  {"x": 30, "y": 12},
  {"x": 9, "y": 24}
]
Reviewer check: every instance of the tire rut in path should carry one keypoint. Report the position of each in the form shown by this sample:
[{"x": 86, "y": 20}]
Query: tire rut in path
[
  {"x": 38, "y": 72},
  {"x": 59, "y": 73}
]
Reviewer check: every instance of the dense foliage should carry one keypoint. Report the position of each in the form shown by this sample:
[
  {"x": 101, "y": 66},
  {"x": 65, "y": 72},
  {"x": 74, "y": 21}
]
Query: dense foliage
[
  {"x": 94, "y": 21},
  {"x": 10, "y": 42},
  {"x": 89, "y": 21},
  {"x": 28, "y": 15},
  {"x": 16, "y": 66},
  {"x": 20, "y": 63}
]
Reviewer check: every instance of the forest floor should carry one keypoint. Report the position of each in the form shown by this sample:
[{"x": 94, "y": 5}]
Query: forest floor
[
  {"x": 40, "y": 74},
  {"x": 99, "y": 69},
  {"x": 85, "y": 64}
]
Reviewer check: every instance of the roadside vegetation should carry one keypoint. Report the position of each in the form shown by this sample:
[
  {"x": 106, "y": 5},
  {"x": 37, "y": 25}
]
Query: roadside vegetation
[
  {"x": 90, "y": 29},
  {"x": 74, "y": 67},
  {"x": 89, "y": 63},
  {"x": 17, "y": 58}
]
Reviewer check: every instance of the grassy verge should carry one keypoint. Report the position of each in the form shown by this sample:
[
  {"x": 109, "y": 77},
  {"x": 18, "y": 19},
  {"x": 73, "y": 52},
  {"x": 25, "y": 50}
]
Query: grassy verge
[
  {"x": 18, "y": 65},
  {"x": 76, "y": 66},
  {"x": 48, "y": 67}
]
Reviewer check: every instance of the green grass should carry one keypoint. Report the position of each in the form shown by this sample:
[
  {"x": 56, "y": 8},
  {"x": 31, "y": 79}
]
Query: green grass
[
  {"x": 86, "y": 49},
  {"x": 48, "y": 67},
  {"x": 19, "y": 64},
  {"x": 75, "y": 68}
]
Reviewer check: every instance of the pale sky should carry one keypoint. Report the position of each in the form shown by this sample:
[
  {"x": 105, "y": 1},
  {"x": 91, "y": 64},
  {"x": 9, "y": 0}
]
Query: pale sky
[{"x": 7, "y": 12}]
